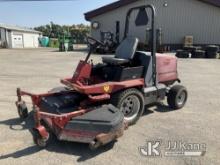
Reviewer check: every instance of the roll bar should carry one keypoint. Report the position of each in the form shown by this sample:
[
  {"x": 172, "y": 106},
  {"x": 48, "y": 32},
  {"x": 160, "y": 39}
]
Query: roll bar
[{"x": 153, "y": 42}]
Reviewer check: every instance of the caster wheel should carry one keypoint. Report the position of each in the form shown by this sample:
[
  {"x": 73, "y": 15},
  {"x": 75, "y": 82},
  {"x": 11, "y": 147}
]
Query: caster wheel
[
  {"x": 39, "y": 140},
  {"x": 94, "y": 145},
  {"x": 22, "y": 111}
]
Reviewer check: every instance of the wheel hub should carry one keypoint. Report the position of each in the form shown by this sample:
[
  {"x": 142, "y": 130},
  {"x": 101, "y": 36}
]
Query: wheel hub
[
  {"x": 130, "y": 107},
  {"x": 181, "y": 98}
]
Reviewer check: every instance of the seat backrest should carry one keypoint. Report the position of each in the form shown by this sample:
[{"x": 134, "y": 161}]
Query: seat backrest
[
  {"x": 127, "y": 48},
  {"x": 145, "y": 59}
]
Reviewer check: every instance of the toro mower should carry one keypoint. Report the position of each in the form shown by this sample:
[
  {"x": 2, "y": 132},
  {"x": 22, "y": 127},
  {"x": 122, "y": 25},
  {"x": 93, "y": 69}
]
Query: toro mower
[{"x": 101, "y": 100}]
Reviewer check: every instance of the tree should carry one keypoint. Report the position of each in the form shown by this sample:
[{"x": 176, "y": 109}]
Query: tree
[{"x": 78, "y": 32}]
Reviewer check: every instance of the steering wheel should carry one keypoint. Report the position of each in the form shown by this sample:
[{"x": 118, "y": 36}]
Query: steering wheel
[{"x": 94, "y": 42}]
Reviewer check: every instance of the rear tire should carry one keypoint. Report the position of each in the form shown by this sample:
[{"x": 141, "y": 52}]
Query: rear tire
[
  {"x": 190, "y": 48},
  {"x": 211, "y": 55},
  {"x": 212, "y": 48},
  {"x": 177, "y": 97},
  {"x": 182, "y": 54},
  {"x": 131, "y": 103},
  {"x": 198, "y": 54}
]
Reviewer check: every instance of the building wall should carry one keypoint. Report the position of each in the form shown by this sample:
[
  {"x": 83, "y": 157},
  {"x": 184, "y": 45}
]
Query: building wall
[
  {"x": 2, "y": 37},
  {"x": 178, "y": 19},
  {"x": 30, "y": 40},
  {"x": 2, "y": 31}
]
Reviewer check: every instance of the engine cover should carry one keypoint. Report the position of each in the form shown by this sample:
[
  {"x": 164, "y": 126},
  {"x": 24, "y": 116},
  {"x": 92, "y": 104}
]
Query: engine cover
[{"x": 166, "y": 68}]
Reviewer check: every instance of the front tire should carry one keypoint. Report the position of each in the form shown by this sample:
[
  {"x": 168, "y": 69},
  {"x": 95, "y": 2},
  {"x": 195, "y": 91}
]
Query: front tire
[
  {"x": 177, "y": 97},
  {"x": 131, "y": 103}
]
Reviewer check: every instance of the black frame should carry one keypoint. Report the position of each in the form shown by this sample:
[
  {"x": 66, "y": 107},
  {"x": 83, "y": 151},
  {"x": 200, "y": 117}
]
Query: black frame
[
  {"x": 153, "y": 46},
  {"x": 117, "y": 30}
]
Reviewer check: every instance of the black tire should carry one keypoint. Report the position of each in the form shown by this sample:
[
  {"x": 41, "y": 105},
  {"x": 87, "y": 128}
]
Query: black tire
[
  {"x": 182, "y": 54},
  {"x": 22, "y": 111},
  {"x": 94, "y": 145},
  {"x": 190, "y": 48},
  {"x": 38, "y": 140},
  {"x": 212, "y": 48},
  {"x": 177, "y": 97},
  {"x": 211, "y": 55},
  {"x": 128, "y": 101},
  {"x": 198, "y": 54},
  {"x": 41, "y": 142}
]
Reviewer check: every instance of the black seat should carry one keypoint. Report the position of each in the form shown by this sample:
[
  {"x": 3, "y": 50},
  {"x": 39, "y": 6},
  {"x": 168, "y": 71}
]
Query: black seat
[{"x": 124, "y": 53}]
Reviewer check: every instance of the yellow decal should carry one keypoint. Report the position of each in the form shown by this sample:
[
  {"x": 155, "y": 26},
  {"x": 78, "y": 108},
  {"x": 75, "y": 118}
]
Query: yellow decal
[{"x": 106, "y": 88}]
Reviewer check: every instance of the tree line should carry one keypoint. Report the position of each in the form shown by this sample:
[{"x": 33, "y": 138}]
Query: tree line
[{"x": 53, "y": 30}]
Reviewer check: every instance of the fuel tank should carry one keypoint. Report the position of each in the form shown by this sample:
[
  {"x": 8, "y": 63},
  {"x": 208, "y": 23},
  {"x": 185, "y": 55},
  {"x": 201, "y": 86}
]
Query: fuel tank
[{"x": 166, "y": 68}]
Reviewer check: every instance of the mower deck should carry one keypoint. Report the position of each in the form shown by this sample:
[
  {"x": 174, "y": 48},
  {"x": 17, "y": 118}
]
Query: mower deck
[
  {"x": 61, "y": 114},
  {"x": 102, "y": 120}
]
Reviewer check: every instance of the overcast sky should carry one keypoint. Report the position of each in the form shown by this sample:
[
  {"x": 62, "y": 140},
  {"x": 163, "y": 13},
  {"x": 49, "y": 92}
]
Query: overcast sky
[{"x": 34, "y": 13}]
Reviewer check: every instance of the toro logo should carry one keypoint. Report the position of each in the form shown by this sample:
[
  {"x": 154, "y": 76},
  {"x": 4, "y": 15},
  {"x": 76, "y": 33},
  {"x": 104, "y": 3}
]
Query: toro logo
[{"x": 106, "y": 88}]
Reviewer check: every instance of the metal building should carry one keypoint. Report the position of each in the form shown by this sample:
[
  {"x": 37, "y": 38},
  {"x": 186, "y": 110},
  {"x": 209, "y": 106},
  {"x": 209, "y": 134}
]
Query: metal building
[
  {"x": 176, "y": 18},
  {"x": 18, "y": 37}
]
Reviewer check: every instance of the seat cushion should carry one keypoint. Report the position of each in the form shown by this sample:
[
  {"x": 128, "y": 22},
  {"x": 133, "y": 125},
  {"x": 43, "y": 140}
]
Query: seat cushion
[{"x": 114, "y": 61}]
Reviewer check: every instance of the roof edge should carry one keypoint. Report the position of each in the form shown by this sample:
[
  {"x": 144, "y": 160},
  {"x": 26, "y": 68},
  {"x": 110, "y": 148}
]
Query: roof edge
[
  {"x": 18, "y": 28},
  {"x": 109, "y": 7},
  {"x": 120, "y": 3},
  {"x": 212, "y": 2}
]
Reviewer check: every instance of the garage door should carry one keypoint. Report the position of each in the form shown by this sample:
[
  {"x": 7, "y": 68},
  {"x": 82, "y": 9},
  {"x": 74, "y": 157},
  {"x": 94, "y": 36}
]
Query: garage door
[{"x": 17, "y": 41}]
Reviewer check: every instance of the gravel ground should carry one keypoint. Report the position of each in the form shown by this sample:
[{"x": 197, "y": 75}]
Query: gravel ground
[{"x": 40, "y": 69}]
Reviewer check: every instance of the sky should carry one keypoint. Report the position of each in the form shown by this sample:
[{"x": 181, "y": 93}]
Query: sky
[{"x": 35, "y": 13}]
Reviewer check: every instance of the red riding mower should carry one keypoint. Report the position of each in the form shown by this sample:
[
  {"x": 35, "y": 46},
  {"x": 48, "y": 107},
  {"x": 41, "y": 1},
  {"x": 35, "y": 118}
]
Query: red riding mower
[{"x": 101, "y": 100}]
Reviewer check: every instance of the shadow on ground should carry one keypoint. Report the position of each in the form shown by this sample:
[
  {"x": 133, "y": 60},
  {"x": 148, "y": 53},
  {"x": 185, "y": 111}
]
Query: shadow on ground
[
  {"x": 77, "y": 149},
  {"x": 158, "y": 107},
  {"x": 17, "y": 124}
]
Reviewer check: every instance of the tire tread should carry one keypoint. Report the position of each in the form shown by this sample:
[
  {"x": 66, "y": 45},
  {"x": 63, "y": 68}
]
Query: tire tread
[{"x": 171, "y": 98}]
